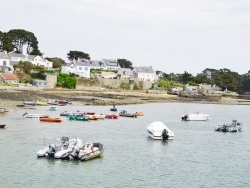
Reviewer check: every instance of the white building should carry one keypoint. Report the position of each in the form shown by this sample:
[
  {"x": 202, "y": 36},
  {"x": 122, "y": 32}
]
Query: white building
[
  {"x": 37, "y": 60},
  {"x": 4, "y": 59},
  {"x": 144, "y": 74},
  {"x": 80, "y": 67}
]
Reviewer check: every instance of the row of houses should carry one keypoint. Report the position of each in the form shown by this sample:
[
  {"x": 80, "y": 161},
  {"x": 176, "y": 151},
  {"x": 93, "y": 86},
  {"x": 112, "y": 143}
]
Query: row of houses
[
  {"x": 82, "y": 68},
  {"x": 8, "y": 60}
]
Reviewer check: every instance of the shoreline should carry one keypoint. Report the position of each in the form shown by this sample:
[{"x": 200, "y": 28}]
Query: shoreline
[{"x": 9, "y": 99}]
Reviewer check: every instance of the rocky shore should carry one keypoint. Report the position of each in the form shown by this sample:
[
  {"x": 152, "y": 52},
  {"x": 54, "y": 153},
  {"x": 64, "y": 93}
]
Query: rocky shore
[{"x": 11, "y": 98}]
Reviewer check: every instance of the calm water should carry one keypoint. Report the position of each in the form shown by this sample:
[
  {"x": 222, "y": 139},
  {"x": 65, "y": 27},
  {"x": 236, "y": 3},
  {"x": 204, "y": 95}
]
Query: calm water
[{"x": 197, "y": 157}]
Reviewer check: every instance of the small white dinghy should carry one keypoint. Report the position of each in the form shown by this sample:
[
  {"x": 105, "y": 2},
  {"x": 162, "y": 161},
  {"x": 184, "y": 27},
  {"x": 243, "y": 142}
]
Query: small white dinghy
[
  {"x": 196, "y": 116},
  {"x": 159, "y": 131}
]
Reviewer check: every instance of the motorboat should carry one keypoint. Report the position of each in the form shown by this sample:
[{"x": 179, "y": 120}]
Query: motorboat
[
  {"x": 78, "y": 118},
  {"x": 51, "y": 119},
  {"x": 111, "y": 116},
  {"x": 66, "y": 113},
  {"x": 86, "y": 152},
  {"x": 2, "y": 125},
  {"x": 56, "y": 148},
  {"x": 30, "y": 103},
  {"x": 124, "y": 113},
  {"x": 159, "y": 131},
  {"x": 234, "y": 126},
  {"x": 40, "y": 103},
  {"x": 96, "y": 116},
  {"x": 85, "y": 112},
  {"x": 113, "y": 109},
  {"x": 196, "y": 116},
  {"x": 27, "y": 115},
  {"x": 53, "y": 108}
]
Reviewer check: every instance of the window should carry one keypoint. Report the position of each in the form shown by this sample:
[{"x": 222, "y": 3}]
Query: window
[
  {"x": 86, "y": 69},
  {"x": 80, "y": 68}
]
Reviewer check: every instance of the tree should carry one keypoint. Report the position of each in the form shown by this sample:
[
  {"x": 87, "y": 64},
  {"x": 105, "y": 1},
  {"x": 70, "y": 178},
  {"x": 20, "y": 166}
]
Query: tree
[
  {"x": 25, "y": 66},
  {"x": 186, "y": 77},
  {"x": 75, "y": 55},
  {"x": 124, "y": 63},
  {"x": 57, "y": 62},
  {"x": 5, "y": 42},
  {"x": 20, "y": 38}
]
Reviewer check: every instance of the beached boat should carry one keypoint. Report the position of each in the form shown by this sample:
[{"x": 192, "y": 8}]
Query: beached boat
[
  {"x": 78, "y": 118},
  {"x": 139, "y": 113},
  {"x": 55, "y": 148},
  {"x": 30, "y": 103},
  {"x": 124, "y": 113},
  {"x": 111, "y": 116},
  {"x": 86, "y": 152},
  {"x": 2, "y": 125},
  {"x": 40, "y": 103},
  {"x": 62, "y": 101},
  {"x": 159, "y": 131},
  {"x": 196, "y": 116},
  {"x": 27, "y": 115},
  {"x": 234, "y": 126},
  {"x": 51, "y": 119}
]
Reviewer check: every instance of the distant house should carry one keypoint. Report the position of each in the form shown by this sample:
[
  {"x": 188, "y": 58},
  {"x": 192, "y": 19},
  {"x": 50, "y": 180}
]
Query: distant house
[
  {"x": 4, "y": 60},
  {"x": 193, "y": 90},
  {"x": 144, "y": 73},
  {"x": 97, "y": 64},
  {"x": 37, "y": 60},
  {"x": 15, "y": 58},
  {"x": 40, "y": 83},
  {"x": 208, "y": 89},
  {"x": 125, "y": 74},
  {"x": 8, "y": 78},
  {"x": 111, "y": 64},
  {"x": 80, "y": 67}
]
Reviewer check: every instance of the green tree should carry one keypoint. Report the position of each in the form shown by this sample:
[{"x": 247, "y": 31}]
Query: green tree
[
  {"x": 67, "y": 81},
  {"x": 124, "y": 63},
  {"x": 25, "y": 66},
  {"x": 57, "y": 62},
  {"x": 75, "y": 55},
  {"x": 21, "y": 38},
  {"x": 186, "y": 77},
  {"x": 5, "y": 42}
]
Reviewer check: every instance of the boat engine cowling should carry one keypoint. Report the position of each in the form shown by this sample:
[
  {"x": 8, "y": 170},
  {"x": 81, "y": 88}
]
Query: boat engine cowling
[
  {"x": 52, "y": 150},
  {"x": 165, "y": 135},
  {"x": 75, "y": 152},
  {"x": 184, "y": 117}
]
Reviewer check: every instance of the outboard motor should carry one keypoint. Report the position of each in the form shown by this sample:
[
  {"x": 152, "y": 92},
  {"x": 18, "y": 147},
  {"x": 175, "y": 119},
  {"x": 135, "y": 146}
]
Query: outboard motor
[
  {"x": 165, "y": 135},
  {"x": 75, "y": 152},
  {"x": 52, "y": 150},
  {"x": 184, "y": 118}
]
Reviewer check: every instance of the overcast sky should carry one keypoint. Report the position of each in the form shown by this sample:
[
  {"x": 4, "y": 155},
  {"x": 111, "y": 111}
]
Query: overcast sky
[{"x": 170, "y": 35}]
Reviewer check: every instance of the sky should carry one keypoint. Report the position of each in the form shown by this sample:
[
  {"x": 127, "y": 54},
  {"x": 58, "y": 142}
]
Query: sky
[{"x": 172, "y": 36}]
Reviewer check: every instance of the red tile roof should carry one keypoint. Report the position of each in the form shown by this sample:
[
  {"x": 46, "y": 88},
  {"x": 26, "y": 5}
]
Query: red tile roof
[{"x": 9, "y": 76}]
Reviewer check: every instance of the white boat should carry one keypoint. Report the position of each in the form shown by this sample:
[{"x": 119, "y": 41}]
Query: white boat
[
  {"x": 56, "y": 148},
  {"x": 196, "y": 116},
  {"x": 235, "y": 126},
  {"x": 159, "y": 131},
  {"x": 86, "y": 152},
  {"x": 53, "y": 108},
  {"x": 27, "y": 115}
]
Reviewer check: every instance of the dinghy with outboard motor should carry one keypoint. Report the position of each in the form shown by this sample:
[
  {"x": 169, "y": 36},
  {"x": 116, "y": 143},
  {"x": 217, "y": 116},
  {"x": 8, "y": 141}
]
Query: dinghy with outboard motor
[
  {"x": 159, "y": 131},
  {"x": 235, "y": 126},
  {"x": 58, "y": 148}
]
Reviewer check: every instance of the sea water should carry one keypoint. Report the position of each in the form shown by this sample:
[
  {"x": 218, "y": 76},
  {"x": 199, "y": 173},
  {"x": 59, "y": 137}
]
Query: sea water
[{"x": 197, "y": 157}]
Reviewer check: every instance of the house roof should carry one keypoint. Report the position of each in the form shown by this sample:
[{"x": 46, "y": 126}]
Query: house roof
[
  {"x": 125, "y": 71},
  {"x": 4, "y": 55},
  {"x": 32, "y": 58},
  {"x": 13, "y": 54},
  {"x": 83, "y": 62},
  {"x": 144, "y": 69},
  {"x": 98, "y": 63},
  {"x": 111, "y": 62},
  {"x": 9, "y": 76}
]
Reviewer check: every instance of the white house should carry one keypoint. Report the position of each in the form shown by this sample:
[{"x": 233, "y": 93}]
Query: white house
[
  {"x": 97, "y": 64},
  {"x": 37, "y": 60},
  {"x": 15, "y": 58},
  {"x": 80, "y": 67},
  {"x": 144, "y": 73},
  {"x": 125, "y": 74}
]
